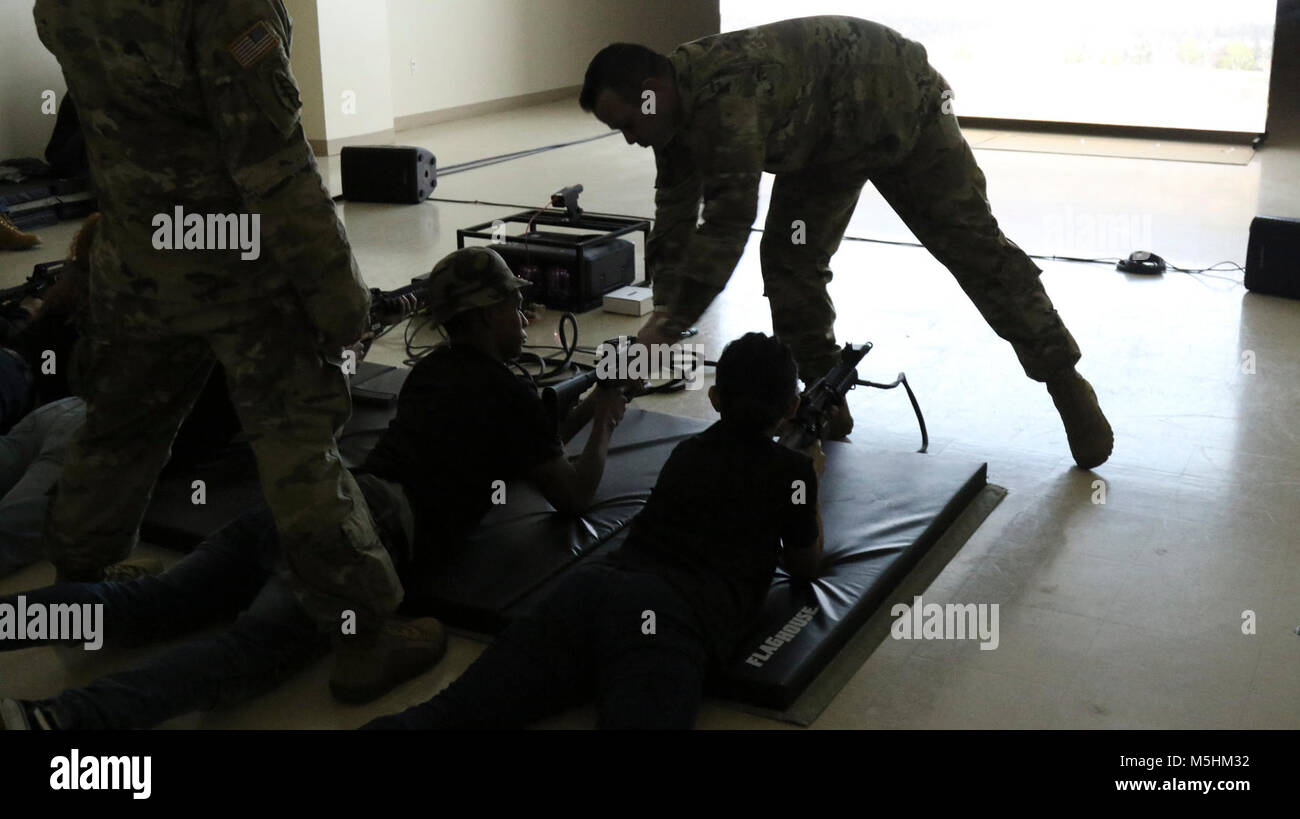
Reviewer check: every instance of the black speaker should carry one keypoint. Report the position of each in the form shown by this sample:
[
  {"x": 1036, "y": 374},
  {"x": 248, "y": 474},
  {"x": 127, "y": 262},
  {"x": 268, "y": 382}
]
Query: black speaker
[
  {"x": 1273, "y": 256},
  {"x": 388, "y": 173}
]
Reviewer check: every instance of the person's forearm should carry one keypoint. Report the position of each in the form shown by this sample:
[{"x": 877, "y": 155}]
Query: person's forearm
[
  {"x": 700, "y": 270},
  {"x": 590, "y": 466},
  {"x": 805, "y": 564}
]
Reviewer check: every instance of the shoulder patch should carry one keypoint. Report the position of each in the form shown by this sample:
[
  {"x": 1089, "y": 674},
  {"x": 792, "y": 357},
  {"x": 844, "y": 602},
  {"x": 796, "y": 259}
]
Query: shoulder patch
[{"x": 254, "y": 44}]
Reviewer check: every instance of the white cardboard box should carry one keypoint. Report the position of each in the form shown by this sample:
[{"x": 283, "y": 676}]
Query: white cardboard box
[{"x": 630, "y": 301}]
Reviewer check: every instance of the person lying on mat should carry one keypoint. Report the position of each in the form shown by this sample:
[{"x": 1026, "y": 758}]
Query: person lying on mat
[
  {"x": 465, "y": 423},
  {"x": 463, "y": 420},
  {"x": 45, "y": 414},
  {"x": 638, "y": 631}
]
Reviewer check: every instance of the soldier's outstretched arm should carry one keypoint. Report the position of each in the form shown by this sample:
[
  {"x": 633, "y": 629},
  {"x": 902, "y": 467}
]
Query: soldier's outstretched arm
[
  {"x": 242, "y": 50},
  {"x": 677, "y": 212},
  {"x": 691, "y": 265},
  {"x": 724, "y": 170}
]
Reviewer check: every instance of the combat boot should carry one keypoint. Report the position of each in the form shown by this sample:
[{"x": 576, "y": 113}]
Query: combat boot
[
  {"x": 11, "y": 238},
  {"x": 369, "y": 665},
  {"x": 1089, "y": 433}
]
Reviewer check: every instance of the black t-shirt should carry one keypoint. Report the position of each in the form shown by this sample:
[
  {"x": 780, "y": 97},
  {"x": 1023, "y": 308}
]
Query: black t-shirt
[
  {"x": 724, "y": 505},
  {"x": 464, "y": 421}
]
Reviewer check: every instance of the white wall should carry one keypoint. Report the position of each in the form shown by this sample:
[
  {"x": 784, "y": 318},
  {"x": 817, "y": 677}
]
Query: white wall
[
  {"x": 304, "y": 58},
  {"x": 474, "y": 51},
  {"x": 26, "y": 70},
  {"x": 466, "y": 52},
  {"x": 354, "y": 60}
]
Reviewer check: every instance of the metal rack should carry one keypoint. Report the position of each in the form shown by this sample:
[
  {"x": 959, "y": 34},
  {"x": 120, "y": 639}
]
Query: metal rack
[{"x": 607, "y": 228}]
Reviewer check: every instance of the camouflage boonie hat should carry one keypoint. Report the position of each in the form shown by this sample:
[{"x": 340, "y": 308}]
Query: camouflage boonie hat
[{"x": 468, "y": 278}]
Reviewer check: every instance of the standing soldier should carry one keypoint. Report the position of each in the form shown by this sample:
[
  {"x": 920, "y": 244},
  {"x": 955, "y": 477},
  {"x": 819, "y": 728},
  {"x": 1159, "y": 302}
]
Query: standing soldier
[
  {"x": 191, "y": 120},
  {"x": 825, "y": 104}
]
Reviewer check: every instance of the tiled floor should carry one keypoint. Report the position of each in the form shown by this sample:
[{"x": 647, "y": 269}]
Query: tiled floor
[{"x": 1122, "y": 614}]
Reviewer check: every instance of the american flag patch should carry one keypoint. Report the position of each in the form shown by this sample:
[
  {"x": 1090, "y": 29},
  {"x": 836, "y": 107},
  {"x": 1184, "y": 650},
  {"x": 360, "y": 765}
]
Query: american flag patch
[{"x": 253, "y": 44}]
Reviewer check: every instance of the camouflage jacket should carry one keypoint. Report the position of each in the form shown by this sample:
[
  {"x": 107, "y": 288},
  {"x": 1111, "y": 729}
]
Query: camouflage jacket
[
  {"x": 777, "y": 98},
  {"x": 192, "y": 104}
]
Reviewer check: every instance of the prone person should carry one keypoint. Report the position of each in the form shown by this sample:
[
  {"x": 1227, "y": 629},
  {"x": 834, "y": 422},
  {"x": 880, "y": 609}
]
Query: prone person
[
  {"x": 463, "y": 421},
  {"x": 40, "y": 337},
  {"x": 638, "y": 631},
  {"x": 38, "y": 333},
  {"x": 825, "y": 104}
]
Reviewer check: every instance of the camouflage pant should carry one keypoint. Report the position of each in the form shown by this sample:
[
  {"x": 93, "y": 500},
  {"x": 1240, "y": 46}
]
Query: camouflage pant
[
  {"x": 939, "y": 192},
  {"x": 141, "y": 368}
]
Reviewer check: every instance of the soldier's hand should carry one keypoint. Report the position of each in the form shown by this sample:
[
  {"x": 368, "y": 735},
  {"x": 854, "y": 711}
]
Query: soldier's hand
[{"x": 654, "y": 330}]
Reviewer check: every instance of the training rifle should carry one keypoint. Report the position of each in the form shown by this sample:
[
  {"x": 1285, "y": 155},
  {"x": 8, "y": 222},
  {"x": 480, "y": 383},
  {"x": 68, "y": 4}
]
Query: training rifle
[
  {"x": 391, "y": 307},
  {"x": 809, "y": 422},
  {"x": 43, "y": 276},
  {"x": 558, "y": 399}
]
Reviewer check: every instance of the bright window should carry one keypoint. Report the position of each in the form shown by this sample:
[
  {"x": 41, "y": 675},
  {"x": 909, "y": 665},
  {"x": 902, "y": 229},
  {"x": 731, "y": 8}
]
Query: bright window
[{"x": 1193, "y": 64}]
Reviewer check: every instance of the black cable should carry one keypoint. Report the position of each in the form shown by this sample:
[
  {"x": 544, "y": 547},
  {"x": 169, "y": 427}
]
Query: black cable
[
  {"x": 1234, "y": 266},
  {"x": 568, "y": 349},
  {"x": 484, "y": 162},
  {"x": 416, "y": 352},
  {"x": 911, "y": 396}
]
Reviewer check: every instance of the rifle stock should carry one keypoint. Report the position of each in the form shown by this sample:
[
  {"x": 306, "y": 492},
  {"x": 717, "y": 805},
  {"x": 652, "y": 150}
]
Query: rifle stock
[{"x": 558, "y": 399}]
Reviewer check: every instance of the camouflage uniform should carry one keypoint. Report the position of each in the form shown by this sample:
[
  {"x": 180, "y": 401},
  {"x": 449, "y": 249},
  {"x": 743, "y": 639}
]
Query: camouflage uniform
[
  {"x": 826, "y": 104},
  {"x": 193, "y": 104}
]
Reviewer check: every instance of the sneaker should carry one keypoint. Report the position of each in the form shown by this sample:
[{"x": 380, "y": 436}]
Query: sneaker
[
  {"x": 366, "y": 668},
  {"x": 1091, "y": 438},
  {"x": 129, "y": 570},
  {"x": 11, "y": 238},
  {"x": 20, "y": 715}
]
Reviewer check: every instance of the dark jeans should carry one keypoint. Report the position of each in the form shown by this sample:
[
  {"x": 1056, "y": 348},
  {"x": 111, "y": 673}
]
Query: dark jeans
[
  {"x": 584, "y": 642},
  {"x": 237, "y": 573},
  {"x": 15, "y": 388}
]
